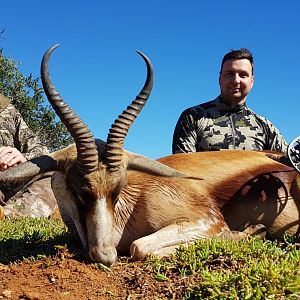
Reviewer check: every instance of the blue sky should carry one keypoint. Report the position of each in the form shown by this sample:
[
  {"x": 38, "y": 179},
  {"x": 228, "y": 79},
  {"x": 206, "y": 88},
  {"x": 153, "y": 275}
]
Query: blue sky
[{"x": 98, "y": 72}]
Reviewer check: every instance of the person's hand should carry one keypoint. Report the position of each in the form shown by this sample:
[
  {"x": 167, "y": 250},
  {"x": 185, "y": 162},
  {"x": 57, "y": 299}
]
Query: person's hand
[{"x": 9, "y": 157}]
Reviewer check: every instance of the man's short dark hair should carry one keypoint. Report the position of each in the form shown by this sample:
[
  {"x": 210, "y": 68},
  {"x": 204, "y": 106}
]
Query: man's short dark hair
[{"x": 242, "y": 53}]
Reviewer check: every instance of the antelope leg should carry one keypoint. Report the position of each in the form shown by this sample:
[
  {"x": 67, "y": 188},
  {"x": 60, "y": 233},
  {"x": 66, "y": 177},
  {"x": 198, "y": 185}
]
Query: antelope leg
[{"x": 164, "y": 241}]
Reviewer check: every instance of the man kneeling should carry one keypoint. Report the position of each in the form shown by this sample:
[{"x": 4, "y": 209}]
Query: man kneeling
[{"x": 18, "y": 144}]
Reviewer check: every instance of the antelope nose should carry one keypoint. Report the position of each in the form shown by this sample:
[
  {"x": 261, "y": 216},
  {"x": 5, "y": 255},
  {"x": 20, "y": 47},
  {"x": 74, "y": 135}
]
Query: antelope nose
[{"x": 104, "y": 255}]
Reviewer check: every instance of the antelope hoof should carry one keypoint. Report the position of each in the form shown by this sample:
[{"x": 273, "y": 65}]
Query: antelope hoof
[
  {"x": 137, "y": 252},
  {"x": 258, "y": 230}
]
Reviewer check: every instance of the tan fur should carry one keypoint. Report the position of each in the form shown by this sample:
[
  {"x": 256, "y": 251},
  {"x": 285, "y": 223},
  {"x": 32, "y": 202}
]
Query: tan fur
[
  {"x": 2, "y": 217},
  {"x": 249, "y": 188}
]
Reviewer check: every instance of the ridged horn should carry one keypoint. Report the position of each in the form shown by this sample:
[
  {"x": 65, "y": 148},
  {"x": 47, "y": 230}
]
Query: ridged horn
[
  {"x": 87, "y": 154},
  {"x": 27, "y": 170},
  {"x": 119, "y": 129}
]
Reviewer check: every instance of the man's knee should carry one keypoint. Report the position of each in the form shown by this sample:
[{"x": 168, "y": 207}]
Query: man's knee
[{"x": 37, "y": 201}]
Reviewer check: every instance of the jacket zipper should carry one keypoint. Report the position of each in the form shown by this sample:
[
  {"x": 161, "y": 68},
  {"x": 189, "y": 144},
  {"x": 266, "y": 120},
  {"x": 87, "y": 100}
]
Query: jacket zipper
[{"x": 232, "y": 129}]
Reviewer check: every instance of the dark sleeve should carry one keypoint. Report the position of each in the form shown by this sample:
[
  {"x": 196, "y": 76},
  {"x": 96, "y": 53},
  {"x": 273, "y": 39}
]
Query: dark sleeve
[
  {"x": 185, "y": 133},
  {"x": 276, "y": 141}
]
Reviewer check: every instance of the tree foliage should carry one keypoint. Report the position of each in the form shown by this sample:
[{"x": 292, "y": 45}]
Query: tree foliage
[{"x": 27, "y": 95}]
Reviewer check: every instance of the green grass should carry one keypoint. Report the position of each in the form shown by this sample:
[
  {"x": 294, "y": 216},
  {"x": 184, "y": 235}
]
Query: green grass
[
  {"x": 207, "y": 269},
  {"x": 248, "y": 269},
  {"x": 31, "y": 238}
]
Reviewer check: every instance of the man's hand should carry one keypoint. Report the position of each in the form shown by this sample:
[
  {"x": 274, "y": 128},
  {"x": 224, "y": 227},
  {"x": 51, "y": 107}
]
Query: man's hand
[{"x": 9, "y": 157}]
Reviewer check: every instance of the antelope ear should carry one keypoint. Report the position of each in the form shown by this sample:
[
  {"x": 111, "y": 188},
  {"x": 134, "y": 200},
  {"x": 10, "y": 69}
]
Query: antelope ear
[{"x": 153, "y": 167}]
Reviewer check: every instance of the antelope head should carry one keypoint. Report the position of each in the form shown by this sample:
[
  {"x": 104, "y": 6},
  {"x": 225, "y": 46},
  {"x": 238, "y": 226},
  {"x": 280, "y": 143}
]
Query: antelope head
[{"x": 97, "y": 175}]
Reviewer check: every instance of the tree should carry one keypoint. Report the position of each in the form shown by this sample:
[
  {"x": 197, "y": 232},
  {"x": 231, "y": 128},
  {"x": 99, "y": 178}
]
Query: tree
[{"x": 27, "y": 95}]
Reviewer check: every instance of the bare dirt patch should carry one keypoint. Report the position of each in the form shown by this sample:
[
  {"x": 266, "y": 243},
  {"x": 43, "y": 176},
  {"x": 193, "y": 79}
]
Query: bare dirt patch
[{"x": 65, "y": 277}]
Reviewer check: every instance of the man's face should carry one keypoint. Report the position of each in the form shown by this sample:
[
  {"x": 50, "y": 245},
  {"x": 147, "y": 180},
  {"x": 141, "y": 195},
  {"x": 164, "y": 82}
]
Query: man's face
[{"x": 236, "y": 80}]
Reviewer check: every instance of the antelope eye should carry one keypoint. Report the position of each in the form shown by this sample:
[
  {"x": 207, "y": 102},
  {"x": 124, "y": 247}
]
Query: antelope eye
[{"x": 81, "y": 199}]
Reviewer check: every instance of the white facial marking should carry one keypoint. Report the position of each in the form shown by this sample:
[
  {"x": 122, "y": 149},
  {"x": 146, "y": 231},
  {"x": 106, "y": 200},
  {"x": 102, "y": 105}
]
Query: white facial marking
[{"x": 99, "y": 224}]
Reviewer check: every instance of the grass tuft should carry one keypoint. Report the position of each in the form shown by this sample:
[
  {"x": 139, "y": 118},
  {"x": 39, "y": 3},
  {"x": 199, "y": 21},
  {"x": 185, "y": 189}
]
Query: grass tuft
[
  {"x": 248, "y": 269},
  {"x": 31, "y": 238}
]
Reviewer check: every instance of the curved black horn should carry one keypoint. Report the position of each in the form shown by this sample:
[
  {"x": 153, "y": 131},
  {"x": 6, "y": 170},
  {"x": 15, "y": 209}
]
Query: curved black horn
[
  {"x": 87, "y": 154},
  {"x": 119, "y": 130}
]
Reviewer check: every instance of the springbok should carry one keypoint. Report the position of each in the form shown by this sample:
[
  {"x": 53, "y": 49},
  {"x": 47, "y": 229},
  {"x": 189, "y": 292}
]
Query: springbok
[{"x": 121, "y": 202}]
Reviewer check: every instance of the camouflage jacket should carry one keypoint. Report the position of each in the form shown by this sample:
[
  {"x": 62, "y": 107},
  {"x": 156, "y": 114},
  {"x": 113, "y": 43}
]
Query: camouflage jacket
[
  {"x": 212, "y": 126},
  {"x": 15, "y": 133}
]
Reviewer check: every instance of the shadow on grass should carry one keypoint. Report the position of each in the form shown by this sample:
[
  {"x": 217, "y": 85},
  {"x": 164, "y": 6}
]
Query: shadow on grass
[{"x": 35, "y": 247}]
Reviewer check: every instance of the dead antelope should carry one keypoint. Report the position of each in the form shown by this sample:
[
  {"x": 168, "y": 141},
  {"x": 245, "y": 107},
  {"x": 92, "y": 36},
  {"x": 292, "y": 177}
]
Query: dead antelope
[{"x": 122, "y": 202}]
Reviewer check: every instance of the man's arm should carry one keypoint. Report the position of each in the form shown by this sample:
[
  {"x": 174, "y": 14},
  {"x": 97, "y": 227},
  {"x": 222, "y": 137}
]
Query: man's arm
[
  {"x": 26, "y": 141},
  {"x": 185, "y": 135},
  {"x": 21, "y": 143},
  {"x": 276, "y": 141}
]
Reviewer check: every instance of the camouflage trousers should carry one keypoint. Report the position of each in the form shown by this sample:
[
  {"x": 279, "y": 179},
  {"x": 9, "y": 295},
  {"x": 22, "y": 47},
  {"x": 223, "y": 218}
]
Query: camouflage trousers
[{"x": 35, "y": 199}]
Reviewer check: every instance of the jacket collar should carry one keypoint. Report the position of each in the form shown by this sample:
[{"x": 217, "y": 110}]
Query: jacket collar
[{"x": 222, "y": 106}]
